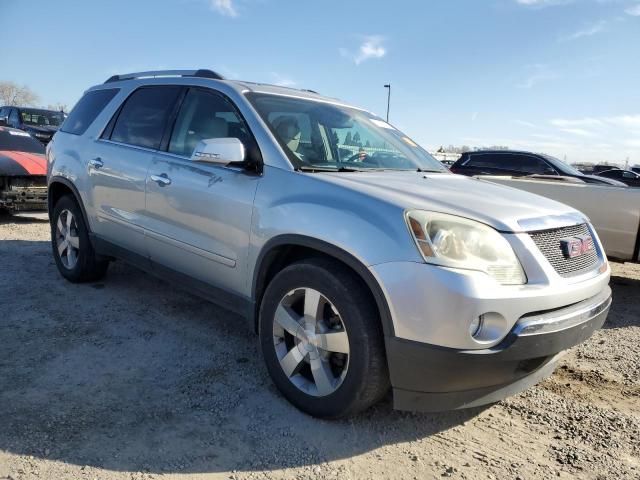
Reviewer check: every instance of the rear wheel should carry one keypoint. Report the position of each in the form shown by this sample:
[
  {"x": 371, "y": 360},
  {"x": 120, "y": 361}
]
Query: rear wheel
[
  {"x": 321, "y": 339},
  {"x": 72, "y": 250}
]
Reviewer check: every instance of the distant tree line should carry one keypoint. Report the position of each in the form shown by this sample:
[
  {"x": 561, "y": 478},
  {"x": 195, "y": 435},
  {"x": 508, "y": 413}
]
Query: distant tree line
[
  {"x": 466, "y": 148},
  {"x": 22, "y": 96}
]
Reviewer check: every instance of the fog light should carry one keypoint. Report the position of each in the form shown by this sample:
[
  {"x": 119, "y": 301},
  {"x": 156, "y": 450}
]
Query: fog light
[
  {"x": 476, "y": 326},
  {"x": 489, "y": 327}
]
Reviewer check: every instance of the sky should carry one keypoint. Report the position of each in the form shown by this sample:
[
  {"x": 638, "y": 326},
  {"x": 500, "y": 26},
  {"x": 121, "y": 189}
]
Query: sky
[{"x": 554, "y": 76}]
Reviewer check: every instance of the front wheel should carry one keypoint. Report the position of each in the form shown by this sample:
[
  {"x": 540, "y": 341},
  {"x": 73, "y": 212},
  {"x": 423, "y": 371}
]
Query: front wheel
[
  {"x": 321, "y": 339},
  {"x": 72, "y": 250}
]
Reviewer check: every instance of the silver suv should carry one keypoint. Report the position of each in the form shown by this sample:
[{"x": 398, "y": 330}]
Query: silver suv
[{"x": 361, "y": 261}]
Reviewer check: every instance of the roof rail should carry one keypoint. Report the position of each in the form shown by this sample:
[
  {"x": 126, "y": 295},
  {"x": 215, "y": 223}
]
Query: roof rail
[{"x": 202, "y": 73}]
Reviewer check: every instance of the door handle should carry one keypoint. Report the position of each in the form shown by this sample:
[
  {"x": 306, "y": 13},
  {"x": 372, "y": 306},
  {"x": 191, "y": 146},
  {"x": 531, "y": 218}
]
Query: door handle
[
  {"x": 96, "y": 162},
  {"x": 163, "y": 180}
]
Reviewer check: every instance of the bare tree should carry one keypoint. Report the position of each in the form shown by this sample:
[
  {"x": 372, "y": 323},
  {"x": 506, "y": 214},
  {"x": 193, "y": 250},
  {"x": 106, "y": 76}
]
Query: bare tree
[
  {"x": 58, "y": 107},
  {"x": 13, "y": 94}
]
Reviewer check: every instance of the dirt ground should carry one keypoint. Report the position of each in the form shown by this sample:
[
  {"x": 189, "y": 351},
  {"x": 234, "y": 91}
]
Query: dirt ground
[{"x": 131, "y": 378}]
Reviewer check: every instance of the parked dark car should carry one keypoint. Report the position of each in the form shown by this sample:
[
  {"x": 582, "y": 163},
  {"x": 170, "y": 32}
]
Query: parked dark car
[
  {"x": 23, "y": 170},
  {"x": 625, "y": 176},
  {"x": 518, "y": 164},
  {"x": 635, "y": 169},
  {"x": 39, "y": 123},
  {"x": 603, "y": 168}
]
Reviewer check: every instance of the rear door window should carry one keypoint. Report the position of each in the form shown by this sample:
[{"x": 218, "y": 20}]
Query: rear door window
[
  {"x": 143, "y": 118},
  {"x": 86, "y": 110},
  {"x": 530, "y": 164}
]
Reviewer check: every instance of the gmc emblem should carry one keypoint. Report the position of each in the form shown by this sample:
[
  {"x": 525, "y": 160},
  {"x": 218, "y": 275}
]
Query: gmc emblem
[{"x": 576, "y": 246}]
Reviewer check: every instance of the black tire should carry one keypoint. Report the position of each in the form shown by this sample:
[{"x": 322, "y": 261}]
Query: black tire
[
  {"x": 366, "y": 380},
  {"x": 89, "y": 266}
]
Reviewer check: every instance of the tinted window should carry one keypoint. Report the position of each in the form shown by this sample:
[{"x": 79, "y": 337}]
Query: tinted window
[
  {"x": 19, "y": 141},
  {"x": 612, "y": 174},
  {"x": 41, "y": 118},
  {"x": 205, "y": 115},
  {"x": 14, "y": 120},
  {"x": 144, "y": 116},
  {"x": 86, "y": 111},
  {"x": 507, "y": 161},
  {"x": 484, "y": 160},
  {"x": 530, "y": 164}
]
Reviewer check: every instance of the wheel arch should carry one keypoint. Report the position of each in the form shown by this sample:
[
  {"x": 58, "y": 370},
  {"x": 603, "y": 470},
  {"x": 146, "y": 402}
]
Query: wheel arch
[
  {"x": 286, "y": 249},
  {"x": 60, "y": 186}
]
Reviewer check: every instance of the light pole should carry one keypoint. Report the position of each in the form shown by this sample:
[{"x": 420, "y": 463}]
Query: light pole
[{"x": 388, "y": 86}]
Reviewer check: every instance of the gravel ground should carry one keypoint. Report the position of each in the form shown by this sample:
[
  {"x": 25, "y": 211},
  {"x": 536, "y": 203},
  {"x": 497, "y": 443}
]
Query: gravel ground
[{"x": 131, "y": 378}]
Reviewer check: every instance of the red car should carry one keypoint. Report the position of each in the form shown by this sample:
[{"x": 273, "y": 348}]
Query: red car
[{"x": 23, "y": 172}]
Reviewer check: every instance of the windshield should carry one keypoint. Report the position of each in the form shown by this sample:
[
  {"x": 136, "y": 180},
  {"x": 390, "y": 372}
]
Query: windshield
[
  {"x": 41, "y": 118},
  {"x": 19, "y": 141},
  {"x": 328, "y": 136},
  {"x": 565, "y": 167}
]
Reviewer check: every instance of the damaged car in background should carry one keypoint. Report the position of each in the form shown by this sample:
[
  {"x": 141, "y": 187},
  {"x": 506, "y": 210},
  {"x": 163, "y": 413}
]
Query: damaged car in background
[{"x": 23, "y": 181}]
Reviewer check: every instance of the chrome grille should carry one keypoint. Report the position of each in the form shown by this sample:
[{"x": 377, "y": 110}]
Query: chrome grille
[{"x": 548, "y": 241}]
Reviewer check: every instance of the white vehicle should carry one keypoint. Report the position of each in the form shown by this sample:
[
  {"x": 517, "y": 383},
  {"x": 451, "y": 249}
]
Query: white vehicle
[{"x": 613, "y": 211}]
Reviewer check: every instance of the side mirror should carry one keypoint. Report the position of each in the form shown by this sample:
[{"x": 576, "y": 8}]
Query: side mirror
[
  {"x": 219, "y": 151},
  {"x": 3, "y": 121}
]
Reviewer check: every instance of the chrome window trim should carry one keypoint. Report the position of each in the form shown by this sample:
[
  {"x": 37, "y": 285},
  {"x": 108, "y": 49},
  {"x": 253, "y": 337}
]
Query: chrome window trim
[{"x": 122, "y": 144}]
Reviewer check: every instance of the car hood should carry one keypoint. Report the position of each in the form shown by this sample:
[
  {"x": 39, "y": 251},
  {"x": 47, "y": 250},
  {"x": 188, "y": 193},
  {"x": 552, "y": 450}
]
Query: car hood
[
  {"x": 504, "y": 208},
  {"x": 14, "y": 163}
]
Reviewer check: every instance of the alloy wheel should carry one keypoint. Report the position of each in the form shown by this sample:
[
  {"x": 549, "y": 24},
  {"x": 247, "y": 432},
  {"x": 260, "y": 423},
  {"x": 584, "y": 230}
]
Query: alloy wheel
[
  {"x": 311, "y": 342},
  {"x": 67, "y": 240}
]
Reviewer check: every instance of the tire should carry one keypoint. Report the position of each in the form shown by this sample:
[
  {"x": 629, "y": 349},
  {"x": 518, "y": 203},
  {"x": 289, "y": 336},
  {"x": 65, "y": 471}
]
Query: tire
[
  {"x": 84, "y": 265},
  {"x": 357, "y": 379}
]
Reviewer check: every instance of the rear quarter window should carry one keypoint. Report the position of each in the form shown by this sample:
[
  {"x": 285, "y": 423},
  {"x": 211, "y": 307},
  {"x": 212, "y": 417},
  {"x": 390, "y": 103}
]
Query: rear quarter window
[{"x": 86, "y": 110}]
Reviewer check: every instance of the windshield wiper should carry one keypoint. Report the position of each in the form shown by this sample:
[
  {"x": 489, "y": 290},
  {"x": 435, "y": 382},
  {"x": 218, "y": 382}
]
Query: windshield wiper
[
  {"x": 310, "y": 168},
  {"x": 427, "y": 170}
]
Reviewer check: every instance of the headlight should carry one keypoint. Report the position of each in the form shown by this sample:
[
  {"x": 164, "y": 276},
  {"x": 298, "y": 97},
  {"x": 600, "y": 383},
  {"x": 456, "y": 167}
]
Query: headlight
[{"x": 457, "y": 242}]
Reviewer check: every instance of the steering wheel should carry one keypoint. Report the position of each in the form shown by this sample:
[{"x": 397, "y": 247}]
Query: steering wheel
[{"x": 357, "y": 156}]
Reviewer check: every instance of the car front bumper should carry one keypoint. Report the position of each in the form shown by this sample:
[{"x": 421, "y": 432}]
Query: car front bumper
[
  {"x": 21, "y": 194},
  {"x": 433, "y": 378}
]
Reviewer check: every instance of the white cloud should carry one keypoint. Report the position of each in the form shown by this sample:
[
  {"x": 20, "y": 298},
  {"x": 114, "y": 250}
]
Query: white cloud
[
  {"x": 581, "y": 132},
  {"x": 525, "y": 123},
  {"x": 372, "y": 47},
  {"x": 608, "y": 137},
  {"x": 282, "y": 81},
  {"x": 588, "y": 31},
  {"x": 576, "y": 122},
  {"x": 542, "y": 3},
  {"x": 224, "y": 7},
  {"x": 625, "y": 121},
  {"x": 634, "y": 11},
  {"x": 536, "y": 74}
]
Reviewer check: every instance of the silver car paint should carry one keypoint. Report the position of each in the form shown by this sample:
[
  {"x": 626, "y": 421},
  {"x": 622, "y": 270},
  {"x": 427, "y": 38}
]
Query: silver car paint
[
  {"x": 213, "y": 222},
  {"x": 200, "y": 223}
]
